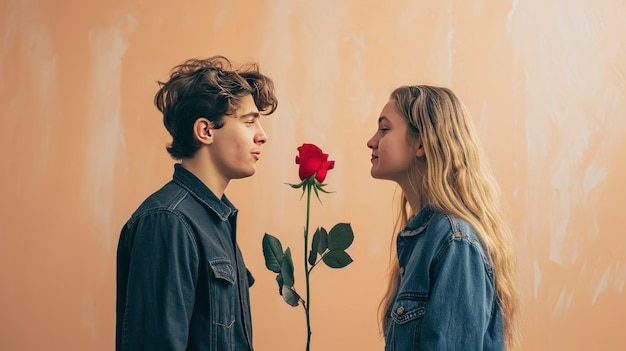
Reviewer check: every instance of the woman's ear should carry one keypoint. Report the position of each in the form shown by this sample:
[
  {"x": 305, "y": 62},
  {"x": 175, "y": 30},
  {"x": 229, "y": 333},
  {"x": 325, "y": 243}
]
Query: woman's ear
[
  {"x": 419, "y": 152},
  {"x": 203, "y": 130}
]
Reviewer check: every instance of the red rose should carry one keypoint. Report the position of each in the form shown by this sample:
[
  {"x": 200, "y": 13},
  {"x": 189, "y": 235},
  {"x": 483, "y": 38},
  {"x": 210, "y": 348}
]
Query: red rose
[{"x": 313, "y": 161}]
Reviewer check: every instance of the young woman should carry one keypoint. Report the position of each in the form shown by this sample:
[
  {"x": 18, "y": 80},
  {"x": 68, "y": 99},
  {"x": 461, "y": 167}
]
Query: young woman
[{"x": 453, "y": 281}]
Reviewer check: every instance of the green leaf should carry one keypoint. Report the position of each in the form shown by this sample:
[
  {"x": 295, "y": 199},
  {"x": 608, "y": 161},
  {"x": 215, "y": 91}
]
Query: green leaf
[
  {"x": 322, "y": 244},
  {"x": 319, "y": 236},
  {"x": 273, "y": 253},
  {"x": 337, "y": 259},
  {"x": 286, "y": 269},
  {"x": 312, "y": 257},
  {"x": 279, "y": 280},
  {"x": 340, "y": 237},
  {"x": 290, "y": 296},
  {"x": 314, "y": 243}
]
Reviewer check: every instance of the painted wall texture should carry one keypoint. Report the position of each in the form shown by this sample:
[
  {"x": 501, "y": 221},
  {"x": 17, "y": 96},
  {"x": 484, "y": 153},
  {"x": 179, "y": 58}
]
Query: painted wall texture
[{"x": 82, "y": 145}]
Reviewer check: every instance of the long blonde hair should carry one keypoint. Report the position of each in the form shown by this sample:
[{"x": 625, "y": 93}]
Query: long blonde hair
[{"x": 456, "y": 180}]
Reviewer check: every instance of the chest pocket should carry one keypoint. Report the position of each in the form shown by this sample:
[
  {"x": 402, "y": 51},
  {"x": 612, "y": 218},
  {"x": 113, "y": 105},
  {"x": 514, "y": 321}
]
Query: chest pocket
[
  {"x": 406, "y": 314},
  {"x": 222, "y": 292}
]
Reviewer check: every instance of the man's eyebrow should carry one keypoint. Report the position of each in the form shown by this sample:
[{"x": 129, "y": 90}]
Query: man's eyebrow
[{"x": 250, "y": 114}]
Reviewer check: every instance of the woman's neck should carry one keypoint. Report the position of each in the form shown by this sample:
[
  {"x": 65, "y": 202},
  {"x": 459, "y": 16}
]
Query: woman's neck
[{"x": 414, "y": 200}]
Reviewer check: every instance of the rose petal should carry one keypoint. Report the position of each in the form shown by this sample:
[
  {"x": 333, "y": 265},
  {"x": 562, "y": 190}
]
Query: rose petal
[
  {"x": 320, "y": 175},
  {"x": 323, "y": 170}
]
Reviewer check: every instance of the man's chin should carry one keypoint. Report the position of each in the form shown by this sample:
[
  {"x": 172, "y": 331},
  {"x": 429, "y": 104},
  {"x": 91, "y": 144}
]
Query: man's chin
[{"x": 247, "y": 174}]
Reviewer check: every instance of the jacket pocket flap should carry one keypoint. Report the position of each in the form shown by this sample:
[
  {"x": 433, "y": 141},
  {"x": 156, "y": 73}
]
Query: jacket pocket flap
[
  {"x": 406, "y": 310},
  {"x": 223, "y": 269}
]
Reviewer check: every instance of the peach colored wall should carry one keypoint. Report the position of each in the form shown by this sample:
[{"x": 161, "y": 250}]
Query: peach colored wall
[{"x": 82, "y": 145}]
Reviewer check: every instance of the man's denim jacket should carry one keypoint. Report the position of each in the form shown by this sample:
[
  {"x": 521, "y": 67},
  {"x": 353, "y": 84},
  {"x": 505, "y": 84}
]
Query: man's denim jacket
[
  {"x": 181, "y": 281},
  {"x": 446, "y": 296}
]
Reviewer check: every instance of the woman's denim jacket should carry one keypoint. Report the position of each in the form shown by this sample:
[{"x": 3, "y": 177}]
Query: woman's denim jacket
[
  {"x": 446, "y": 296},
  {"x": 181, "y": 281}
]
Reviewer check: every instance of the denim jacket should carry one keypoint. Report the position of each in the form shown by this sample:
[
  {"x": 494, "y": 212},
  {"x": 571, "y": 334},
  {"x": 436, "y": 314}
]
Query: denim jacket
[
  {"x": 446, "y": 295},
  {"x": 181, "y": 280}
]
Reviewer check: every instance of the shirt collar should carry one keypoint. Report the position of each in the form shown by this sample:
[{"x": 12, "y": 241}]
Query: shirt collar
[{"x": 222, "y": 207}]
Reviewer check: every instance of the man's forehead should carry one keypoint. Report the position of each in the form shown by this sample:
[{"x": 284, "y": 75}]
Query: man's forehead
[{"x": 247, "y": 107}]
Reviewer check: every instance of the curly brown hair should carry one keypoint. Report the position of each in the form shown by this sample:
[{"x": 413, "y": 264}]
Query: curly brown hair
[{"x": 211, "y": 88}]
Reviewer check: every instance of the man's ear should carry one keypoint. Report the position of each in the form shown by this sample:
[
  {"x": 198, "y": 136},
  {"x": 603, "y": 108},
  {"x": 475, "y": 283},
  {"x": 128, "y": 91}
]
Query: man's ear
[{"x": 203, "y": 131}]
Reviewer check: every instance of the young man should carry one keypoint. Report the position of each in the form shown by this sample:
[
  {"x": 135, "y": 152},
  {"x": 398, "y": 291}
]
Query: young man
[{"x": 181, "y": 280}]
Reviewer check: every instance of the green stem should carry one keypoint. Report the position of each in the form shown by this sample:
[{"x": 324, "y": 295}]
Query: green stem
[
  {"x": 316, "y": 262},
  {"x": 306, "y": 267}
]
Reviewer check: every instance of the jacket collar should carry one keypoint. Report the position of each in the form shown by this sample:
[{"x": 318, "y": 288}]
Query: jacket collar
[
  {"x": 418, "y": 223},
  {"x": 222, "y": 207}
]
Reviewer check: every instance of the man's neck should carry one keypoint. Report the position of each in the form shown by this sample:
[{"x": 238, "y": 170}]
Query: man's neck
[{"x": 205, "y": 173}]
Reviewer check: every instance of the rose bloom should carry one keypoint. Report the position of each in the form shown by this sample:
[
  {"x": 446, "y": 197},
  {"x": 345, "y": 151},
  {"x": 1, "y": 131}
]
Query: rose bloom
[{"x": 313, "y": 161}]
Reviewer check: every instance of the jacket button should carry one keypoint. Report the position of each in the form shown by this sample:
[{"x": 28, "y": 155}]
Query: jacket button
[{"x": 400, "y": 311}]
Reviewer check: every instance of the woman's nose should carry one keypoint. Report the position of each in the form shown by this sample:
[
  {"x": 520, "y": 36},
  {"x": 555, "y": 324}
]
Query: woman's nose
[{"x": 370, "y": 143}]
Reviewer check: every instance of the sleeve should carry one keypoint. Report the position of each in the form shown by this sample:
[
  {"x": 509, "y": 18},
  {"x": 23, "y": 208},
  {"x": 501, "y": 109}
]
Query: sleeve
[
  {"x": 460, "y": 302},
  {"x": 160, "y": 291}
]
